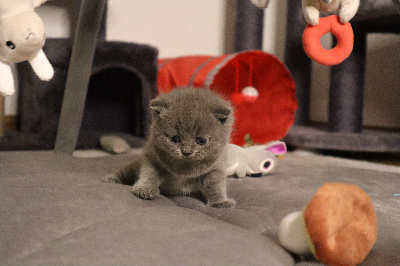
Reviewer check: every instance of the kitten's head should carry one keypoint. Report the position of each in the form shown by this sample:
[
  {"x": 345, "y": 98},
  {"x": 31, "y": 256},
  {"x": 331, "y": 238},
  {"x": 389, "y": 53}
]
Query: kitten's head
[{"x": 191, "y": 124}]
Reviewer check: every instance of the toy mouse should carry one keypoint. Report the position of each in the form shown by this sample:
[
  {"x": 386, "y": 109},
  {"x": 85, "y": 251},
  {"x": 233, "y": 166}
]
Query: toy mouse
[
  {"x": 254, "y": 161},
  {"x": 346, "y": 9},
  {"x": 22, "y": 37}
]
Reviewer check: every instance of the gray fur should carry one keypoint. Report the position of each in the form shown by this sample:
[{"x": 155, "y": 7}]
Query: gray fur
[{"x": 186, "y": 150}]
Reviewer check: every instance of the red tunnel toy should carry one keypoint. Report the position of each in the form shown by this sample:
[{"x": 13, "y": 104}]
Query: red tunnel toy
[
  {"x": 259, "y": 85},
  {"x": 312, "y": 41}
]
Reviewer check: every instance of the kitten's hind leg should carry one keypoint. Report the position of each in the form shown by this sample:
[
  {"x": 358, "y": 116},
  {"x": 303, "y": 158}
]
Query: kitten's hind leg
[
  {"x": 127, "y": 175},
  {"x": 214, "y": 190}
]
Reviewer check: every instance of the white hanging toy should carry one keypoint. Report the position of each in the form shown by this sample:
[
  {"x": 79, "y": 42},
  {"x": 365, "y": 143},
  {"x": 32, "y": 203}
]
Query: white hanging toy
[{"x": 22, "y": 36}]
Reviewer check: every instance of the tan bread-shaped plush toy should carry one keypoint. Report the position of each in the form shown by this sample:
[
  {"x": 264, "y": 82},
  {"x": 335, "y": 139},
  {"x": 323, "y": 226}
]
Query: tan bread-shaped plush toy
[
  {"x": 22, "y": 36},
  {"x": 345, "y": 9},
  {"x": 338, "y": 226}
]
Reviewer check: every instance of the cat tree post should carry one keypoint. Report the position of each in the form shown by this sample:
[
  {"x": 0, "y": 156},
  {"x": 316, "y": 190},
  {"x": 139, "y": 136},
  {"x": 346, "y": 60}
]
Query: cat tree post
[
  {"x": 1, "y": 116},
  {"x": 298, "y": 63},
  {"x": 249, "y": 26},
  {"x": 346, "y": 94},
  {"x": 89, "y": 22}
]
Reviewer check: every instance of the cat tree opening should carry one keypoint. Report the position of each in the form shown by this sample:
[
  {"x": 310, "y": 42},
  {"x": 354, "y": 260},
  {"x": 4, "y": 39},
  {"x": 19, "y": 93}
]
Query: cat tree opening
[
  {"x": 122, "y": 83},
  {"x": 113, "y": 106},
  {"x": 114, "y": 102}
]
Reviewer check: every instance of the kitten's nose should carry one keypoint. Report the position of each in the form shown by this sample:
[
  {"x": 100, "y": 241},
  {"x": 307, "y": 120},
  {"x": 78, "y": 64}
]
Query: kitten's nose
[{"x": 186, "y": 150}]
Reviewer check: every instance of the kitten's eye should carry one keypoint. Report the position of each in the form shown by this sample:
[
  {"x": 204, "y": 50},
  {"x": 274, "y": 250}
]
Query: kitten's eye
[
  {"x": 201, "y": 140},
  {"x": 175, "y": 139}
]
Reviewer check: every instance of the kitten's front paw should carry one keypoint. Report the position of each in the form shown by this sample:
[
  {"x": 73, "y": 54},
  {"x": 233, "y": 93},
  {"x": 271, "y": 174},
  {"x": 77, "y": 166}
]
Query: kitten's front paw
[
  {"x": 144, "y": 192},
  {"x": 112, "y": 179},
  {"x": 229, "y": 203}
]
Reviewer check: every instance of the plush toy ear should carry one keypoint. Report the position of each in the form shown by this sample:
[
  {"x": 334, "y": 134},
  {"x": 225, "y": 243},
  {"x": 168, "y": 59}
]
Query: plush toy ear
[
  {"x": 222, "y": 114},
  {"x": 42, "y": 67},
  {"x": 37, "y": 3},
  {"x": 158, "y": 105},
  {"x": 6, "y": 79},
  {"x": 277, "y": 147}
]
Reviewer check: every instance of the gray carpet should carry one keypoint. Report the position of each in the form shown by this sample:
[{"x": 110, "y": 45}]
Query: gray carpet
[{"x": 55, "y": 210}]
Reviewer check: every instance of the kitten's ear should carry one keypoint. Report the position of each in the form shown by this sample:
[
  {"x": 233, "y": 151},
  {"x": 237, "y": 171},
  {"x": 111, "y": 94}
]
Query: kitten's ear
[
  {"x": 158, "y": 105},
  {"x": 222, "y": 114}
]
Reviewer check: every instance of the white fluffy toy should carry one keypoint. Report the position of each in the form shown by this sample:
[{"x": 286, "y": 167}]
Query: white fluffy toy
[
  {"x": 22, "y": 36},
  {"x": 346, "y": 9},
  {"x": 254, "y": 161}
]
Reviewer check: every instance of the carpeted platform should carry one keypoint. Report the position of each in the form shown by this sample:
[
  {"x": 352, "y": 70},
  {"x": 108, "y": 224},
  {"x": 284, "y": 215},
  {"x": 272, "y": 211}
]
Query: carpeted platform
[
  {"x": 319, "y": 138},
  {"x": 55, "y": 210}
]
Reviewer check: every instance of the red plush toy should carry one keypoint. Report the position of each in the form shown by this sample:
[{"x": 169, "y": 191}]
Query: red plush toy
[
  {"x": 312, "y": 41},
  {"x": 258, "y": 84}
]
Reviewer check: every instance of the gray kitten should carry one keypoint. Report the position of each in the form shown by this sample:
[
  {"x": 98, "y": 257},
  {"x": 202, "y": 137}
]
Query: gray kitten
[{"x": 186, "y": 150}]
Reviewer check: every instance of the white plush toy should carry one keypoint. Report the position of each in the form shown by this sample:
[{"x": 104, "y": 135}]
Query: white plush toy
[
  {"x": 254, "y": 161},
  {"x": 22, "y": 36},
  {"x": 346, "y": 9}
]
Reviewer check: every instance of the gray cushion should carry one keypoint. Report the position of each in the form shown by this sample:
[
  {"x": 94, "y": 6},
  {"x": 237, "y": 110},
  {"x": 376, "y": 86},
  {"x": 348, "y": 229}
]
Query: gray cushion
[
  {"x": 55, "y": 210},
  {"x": 263, "y": 202}
]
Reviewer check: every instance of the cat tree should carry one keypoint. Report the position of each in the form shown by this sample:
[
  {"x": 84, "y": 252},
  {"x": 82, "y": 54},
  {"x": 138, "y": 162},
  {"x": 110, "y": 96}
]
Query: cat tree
[
  {"x": 100, "y": 87},
  {"x": 345, "y": 123},
  {"x": 344, "y": 131},
  {"x": 1, "y": 116}
]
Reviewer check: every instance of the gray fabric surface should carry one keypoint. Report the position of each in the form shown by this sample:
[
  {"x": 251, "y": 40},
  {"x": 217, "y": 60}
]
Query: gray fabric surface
[
  {"x": 55, "y": 210},
  {"x": 262, "y": 203}
]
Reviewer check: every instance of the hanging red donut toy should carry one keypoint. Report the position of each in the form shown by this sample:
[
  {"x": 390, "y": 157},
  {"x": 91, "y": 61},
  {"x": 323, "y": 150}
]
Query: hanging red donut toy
[{"x": 312, "y": 41}]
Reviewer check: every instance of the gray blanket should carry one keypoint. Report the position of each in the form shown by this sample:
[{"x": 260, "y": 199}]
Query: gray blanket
[{"x": 55, "y": 210}]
